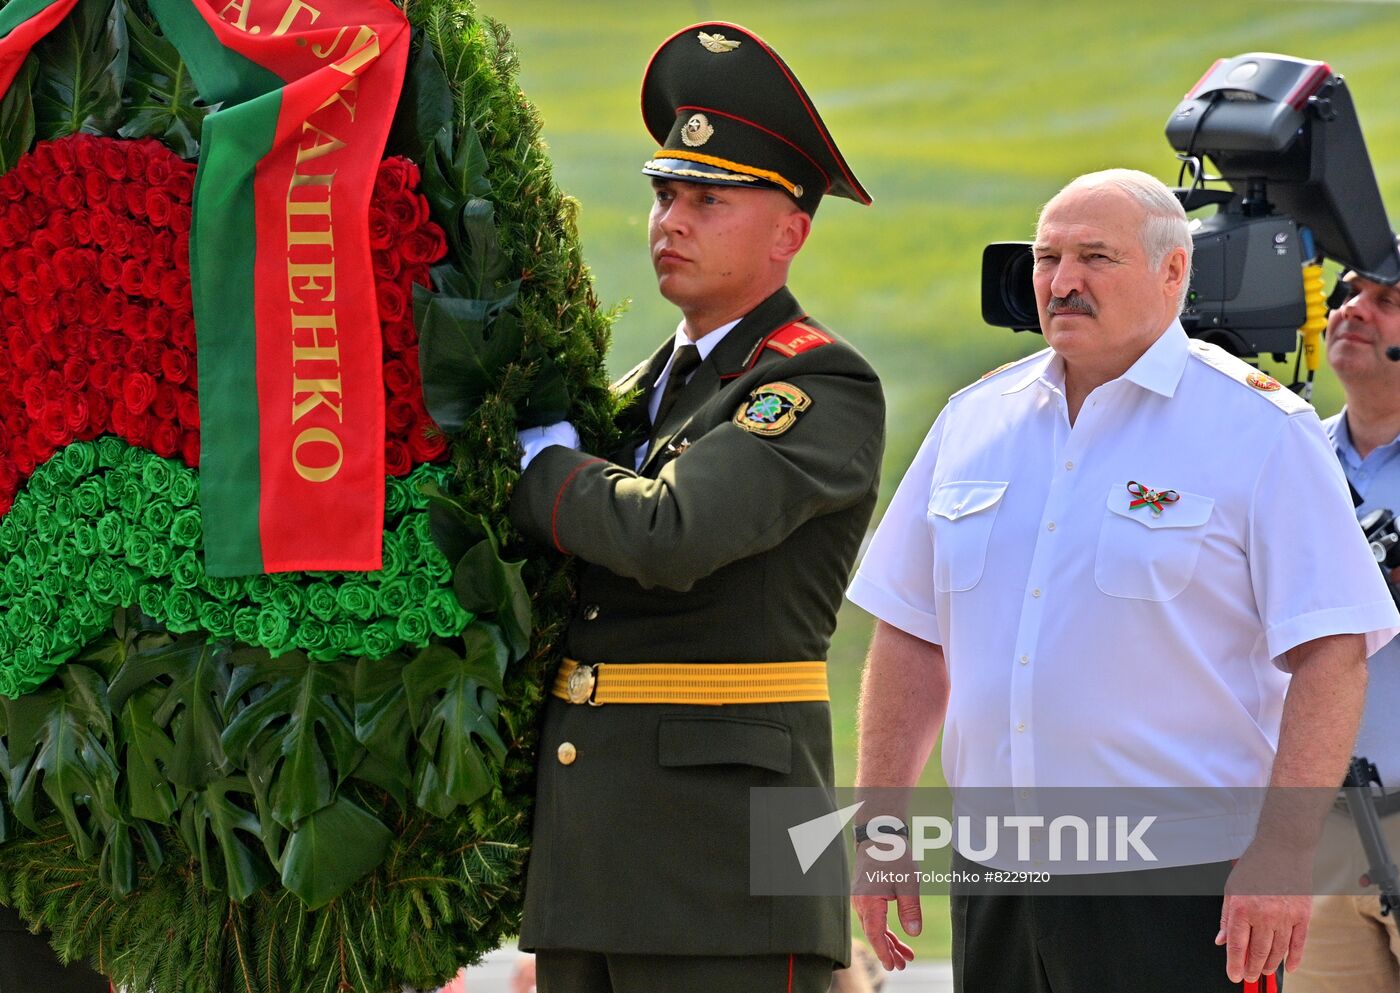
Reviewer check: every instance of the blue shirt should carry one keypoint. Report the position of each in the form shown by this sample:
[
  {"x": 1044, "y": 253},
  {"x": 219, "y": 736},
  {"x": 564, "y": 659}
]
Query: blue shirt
[{"x": 1377, "y": 479}]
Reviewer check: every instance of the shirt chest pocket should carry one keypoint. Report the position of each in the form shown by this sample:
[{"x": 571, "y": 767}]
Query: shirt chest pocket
[
  {"x": 1144, "y": 555},
  {"x": 961, "y": 515}
]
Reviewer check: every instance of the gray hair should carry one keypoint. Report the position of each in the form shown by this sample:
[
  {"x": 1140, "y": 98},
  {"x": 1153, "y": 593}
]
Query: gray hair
[{"x": 1163, "y": 228}]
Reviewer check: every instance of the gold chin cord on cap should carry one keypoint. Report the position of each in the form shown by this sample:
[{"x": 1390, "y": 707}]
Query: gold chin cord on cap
[{"x": 746, "y": 173}]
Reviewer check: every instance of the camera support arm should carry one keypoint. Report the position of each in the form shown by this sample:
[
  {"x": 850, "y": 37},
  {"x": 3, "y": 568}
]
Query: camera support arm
[{"x": 1361, "y": 802}]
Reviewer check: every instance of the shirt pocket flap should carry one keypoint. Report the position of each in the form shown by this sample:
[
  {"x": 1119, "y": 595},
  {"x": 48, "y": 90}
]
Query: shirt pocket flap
[
  {"x": 693, "y": 741},
  {"x": 1189, "y": 510},
  {"x": 962, "y": 499}
]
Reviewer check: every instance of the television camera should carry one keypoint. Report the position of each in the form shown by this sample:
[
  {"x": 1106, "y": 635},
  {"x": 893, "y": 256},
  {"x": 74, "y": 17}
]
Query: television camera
[{"x": 1285, "y": 139}]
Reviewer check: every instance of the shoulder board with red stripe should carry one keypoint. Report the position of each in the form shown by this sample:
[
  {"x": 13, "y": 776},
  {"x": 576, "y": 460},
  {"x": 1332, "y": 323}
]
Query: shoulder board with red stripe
[
  {"x": 796, "y": 338},
  {"x": 789, "y": 340}
]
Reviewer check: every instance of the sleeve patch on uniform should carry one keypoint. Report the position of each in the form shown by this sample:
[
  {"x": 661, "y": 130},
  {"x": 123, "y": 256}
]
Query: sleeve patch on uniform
[{"x": 772, "y": 409}]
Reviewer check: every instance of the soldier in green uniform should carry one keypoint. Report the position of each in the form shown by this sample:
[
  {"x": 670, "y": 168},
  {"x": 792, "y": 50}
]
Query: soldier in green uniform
[{"x": 714, "y": 548}]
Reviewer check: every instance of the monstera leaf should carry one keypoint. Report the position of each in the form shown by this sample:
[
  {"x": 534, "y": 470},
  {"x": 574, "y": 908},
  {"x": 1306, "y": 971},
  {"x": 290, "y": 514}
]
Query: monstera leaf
[
  {"x": 214, "y": 824},
  {"x": 452, "y": 704},
  {"x": 484, "y": 582},
  {"x": 17, "y": 117},
  {"x": 150, "y": 752},
  {"x": 292, "y": 706},
  {"x": 464, "y": 344},
  {"x": 382, "y": 726},
  {"x": 331, "y": 849},
  {"x": 82, "y": 69},
  {"x": 62, "y": 732},
  {"x": 161, "y": 99},
  {"x": 191, "y": 680}
]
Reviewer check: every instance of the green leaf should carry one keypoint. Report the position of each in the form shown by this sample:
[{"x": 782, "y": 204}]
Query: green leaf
[
  {"x": 213, "y": 818},
  {"x": 490, "y": 587},
  {"x": 67, "y": 730},
  {"x": 547, "y": 400},
  {"x": 292, "y": 706},
  {"x": 452, "y": 702},
  {"x": 149, "y": 752},
  {"x": 425, "y": 104},
  {"x": 382, "y": 726},
  {"x": 117, "y": 866},
  {"x": 161, "y": 98},
  {"x": 454, "y": 175},
  {"x": 453, "y": 528},
  {"x": 481, "y": 264},
  {"x": 463, "y": 346},
  {"x": 331, "y": 849},
  {"x": 191, "y": 678},
  {"x": 82, "y": 70},
  {"x": 17, "y": 117}
]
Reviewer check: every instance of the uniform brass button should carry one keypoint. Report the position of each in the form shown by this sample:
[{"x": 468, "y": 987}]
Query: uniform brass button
[
  {"x": 567, "y": 753},
  {"x": 590, "y": 613}
]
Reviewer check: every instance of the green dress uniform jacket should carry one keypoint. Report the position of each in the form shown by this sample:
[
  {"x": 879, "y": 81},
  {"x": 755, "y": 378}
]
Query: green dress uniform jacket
[{"x": 729, "y": 545}]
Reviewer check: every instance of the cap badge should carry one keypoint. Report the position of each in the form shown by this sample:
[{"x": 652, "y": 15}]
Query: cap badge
[
  {"x": 697, "y": 130},
  {"x": 1264, "y": 382},
  {"x": 717, "y": 43}
]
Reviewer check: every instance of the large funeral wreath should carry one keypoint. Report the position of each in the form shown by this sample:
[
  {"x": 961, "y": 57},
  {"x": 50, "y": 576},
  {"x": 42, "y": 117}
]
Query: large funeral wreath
[{"x": 291, "y": 780}]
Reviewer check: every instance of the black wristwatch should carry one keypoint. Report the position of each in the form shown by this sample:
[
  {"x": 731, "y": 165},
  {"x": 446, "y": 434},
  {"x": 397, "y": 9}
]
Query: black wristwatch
[{"x": 863, "y": 835}]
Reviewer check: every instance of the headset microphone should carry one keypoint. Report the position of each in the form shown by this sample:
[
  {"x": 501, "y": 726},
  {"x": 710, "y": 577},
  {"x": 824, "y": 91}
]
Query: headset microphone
[{"x": 1393, "y": 353}]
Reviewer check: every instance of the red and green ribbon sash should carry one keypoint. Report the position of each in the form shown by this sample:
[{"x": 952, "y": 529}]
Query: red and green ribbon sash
[
  {"x": 1144, "y": 496},
  {"x": 22, "y": 24},
  {"x": 290, "y": 371}
]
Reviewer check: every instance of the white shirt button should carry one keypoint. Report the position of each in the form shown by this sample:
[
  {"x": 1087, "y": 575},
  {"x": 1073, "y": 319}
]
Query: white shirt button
[
  {"x": 1035, "y": 592},
  {"x": 1050, "y": 526},
  {"x": 1069, "y": 466},
  {"x": 1021, "y": 726},
  {"x": 1025, "y": 660}
]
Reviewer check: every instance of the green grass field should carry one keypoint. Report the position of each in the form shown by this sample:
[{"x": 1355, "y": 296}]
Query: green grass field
[{"x": 960, "y": 119}]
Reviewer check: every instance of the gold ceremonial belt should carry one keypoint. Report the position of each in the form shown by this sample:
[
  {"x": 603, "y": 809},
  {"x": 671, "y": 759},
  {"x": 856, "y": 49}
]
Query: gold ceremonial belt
[{"x": 691, "y": 682}]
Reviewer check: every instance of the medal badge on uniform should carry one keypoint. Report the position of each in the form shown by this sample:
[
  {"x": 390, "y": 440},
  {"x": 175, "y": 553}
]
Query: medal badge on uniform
[
  {"x": 772, "y": 409},
  {"x": 1155, "y": 500}
]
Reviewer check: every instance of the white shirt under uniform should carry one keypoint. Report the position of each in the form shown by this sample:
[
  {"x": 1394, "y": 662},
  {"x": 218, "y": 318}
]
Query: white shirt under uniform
[{"x": 1091, "y": 643}]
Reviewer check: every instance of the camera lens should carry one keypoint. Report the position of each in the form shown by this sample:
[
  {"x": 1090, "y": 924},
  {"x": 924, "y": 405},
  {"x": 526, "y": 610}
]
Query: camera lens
[
  {"x": 1008, "y": 289},
  {"x": 1018, "y": 290}
]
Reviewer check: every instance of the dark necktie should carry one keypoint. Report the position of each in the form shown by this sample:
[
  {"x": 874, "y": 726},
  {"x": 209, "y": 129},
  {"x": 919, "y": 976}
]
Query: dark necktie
[{"x": 686, "y": 359}]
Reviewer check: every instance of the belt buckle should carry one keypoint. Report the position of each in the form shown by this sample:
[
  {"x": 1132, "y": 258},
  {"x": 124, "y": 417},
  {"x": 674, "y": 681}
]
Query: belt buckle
[{"x": 582, "y": 682}]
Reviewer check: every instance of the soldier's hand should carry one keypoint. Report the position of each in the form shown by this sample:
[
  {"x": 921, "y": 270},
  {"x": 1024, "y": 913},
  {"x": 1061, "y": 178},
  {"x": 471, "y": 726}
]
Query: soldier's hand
[
  {"x": 874, "y": 886},
  {"x": 535, "y": 440}
]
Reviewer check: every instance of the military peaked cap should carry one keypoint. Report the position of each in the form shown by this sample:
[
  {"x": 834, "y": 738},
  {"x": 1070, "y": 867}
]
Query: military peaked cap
[{"x": 727, "y": 110}]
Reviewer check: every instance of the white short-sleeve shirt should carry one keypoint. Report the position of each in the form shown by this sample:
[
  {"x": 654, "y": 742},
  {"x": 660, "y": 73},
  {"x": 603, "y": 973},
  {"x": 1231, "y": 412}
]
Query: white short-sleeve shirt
[{"x": 1094, "y": 643}]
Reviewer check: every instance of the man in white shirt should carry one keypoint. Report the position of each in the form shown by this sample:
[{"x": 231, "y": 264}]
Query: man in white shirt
[
  {"x": 1352, "y": 945},
  {"x": 1105, "y": 564}
]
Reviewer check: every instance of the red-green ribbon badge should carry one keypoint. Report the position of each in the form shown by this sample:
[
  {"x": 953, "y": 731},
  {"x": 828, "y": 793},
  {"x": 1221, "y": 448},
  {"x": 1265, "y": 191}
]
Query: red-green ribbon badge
[{"x": 1156, "y": 499}]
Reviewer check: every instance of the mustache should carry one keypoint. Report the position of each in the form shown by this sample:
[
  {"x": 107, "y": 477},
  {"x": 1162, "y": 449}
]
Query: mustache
[{"x": 1072, "y": 304}]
